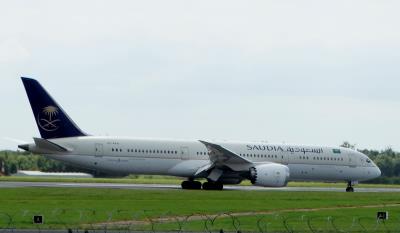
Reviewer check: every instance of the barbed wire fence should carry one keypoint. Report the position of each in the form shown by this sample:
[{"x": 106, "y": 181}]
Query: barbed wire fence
[{"x": 125, "y": 221}]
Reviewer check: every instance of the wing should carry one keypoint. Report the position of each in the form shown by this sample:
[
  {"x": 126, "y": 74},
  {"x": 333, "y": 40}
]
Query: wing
[{"x": 222, "y": 157}]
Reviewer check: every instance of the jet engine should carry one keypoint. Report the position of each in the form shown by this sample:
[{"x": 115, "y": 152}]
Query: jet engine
[{"x": 269, "y": 175}]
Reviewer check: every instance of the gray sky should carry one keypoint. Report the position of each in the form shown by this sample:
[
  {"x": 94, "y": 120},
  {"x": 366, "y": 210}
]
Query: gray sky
[{"x": 307, "y": 72}]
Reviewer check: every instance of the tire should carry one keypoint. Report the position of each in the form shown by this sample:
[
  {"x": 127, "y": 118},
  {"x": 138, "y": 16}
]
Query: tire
[
  {"x": 190, "y": 185},
  {"x": 212, "y": 186},
  {"x": 185, "y": 184},
  {"x": 196, "y": 185}
]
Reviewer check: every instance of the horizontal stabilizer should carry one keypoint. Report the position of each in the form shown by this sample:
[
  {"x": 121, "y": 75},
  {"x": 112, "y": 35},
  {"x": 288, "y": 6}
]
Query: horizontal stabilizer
[{"x": 44, "y": 144}]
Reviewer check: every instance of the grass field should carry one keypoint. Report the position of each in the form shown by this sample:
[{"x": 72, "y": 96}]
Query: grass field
[{"x": 87, "y": 208}]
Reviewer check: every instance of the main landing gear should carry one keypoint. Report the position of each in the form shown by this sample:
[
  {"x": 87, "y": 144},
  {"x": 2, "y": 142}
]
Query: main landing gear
[
  {"x": 191, "y": 184},
  {"x": 349, "y": 187},
  {"x": 213, "y": 186}
]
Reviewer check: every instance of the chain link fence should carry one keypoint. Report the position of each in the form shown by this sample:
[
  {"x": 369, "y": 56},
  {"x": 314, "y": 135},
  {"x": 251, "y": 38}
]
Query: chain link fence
[{"x": 92, "y": 220}]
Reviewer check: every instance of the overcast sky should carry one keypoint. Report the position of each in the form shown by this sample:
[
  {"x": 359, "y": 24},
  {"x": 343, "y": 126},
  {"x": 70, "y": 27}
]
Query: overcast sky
[{"x": 306, "y": 72}]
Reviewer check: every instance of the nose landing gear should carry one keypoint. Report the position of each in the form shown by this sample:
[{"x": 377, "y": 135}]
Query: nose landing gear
[{"x": 349, "y": 187}]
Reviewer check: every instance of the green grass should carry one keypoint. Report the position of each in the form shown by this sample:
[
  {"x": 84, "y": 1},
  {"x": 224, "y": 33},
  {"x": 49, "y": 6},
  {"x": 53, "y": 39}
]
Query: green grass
[{"x": 71, "y": 207}]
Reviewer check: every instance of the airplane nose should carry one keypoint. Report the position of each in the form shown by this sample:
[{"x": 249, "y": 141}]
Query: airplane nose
[{"x": 377, "y": 172}]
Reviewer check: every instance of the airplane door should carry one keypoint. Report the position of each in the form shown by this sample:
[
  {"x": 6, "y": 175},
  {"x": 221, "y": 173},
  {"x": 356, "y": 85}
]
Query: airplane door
[
  {"x": 98, "y": 150},
  {"x": 184, "y": 152}
]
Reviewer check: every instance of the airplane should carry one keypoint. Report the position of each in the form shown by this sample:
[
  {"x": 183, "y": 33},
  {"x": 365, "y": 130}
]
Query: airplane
[{"x": 217, "y": 162}]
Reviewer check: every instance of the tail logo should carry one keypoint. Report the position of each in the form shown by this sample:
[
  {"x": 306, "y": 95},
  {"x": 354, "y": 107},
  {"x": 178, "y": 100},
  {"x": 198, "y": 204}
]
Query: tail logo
[{"x": 47, "y": 118}]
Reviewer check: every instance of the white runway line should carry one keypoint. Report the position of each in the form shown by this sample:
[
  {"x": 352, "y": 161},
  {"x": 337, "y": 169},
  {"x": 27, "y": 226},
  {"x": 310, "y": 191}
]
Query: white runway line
[{"x": 7, "y": 184}]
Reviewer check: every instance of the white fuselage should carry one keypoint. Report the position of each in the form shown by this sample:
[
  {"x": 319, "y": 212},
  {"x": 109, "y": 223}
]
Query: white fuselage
[{"x": 184, "y": 158}]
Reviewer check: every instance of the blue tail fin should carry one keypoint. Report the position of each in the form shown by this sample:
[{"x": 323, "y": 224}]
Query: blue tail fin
[{"x": 51, "y": 119}]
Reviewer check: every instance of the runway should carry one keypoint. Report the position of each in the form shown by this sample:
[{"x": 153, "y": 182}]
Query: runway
[{"x": 7, "y": 184}]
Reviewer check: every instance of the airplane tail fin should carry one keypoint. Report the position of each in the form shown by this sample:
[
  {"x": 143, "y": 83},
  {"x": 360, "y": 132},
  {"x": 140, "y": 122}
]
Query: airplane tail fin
[{"x": 52, "y": 121}]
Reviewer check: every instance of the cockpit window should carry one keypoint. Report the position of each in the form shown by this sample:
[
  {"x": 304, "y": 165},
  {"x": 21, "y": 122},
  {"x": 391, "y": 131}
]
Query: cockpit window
[
  {"x": 336, "y": 151},
  {"x": 368, "y": 161}
]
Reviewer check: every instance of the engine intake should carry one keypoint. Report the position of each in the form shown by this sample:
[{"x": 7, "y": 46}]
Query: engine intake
[{"x": 269, "y": 175}]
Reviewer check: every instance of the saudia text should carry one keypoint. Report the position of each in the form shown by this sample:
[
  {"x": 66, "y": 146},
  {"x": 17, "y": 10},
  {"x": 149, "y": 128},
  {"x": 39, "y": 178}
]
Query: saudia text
[{"x": 284, "y": 149}]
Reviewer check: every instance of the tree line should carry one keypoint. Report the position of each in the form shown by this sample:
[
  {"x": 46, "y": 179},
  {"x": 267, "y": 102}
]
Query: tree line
[{"x": 12, "y": 161}]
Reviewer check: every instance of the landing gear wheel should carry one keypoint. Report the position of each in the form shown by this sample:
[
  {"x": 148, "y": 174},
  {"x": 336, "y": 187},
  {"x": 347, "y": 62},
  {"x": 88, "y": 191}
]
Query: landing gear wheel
[
  {"x": 349, "y": 187},
  {"x": 190, "y": 184},
  {"x": 213, "y": 186}
]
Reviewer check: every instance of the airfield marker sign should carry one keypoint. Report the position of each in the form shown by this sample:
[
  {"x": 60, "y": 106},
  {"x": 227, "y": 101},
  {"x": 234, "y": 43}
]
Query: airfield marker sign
[
  {"x": 38, "y": 219},
  {"x": 382, "y": 215}
]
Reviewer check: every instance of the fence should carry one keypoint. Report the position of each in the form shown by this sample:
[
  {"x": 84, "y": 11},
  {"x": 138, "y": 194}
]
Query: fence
[{"x": 91, "y": 220}]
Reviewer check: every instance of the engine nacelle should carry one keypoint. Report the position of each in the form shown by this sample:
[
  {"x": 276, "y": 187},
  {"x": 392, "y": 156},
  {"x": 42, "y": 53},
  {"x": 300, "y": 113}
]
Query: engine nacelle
[{"x": 269, "y": 175}]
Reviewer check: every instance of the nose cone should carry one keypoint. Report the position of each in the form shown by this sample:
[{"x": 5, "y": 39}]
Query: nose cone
[
  {"x": 378, "y": 171},
  {"x": 375, "y": 172}
]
